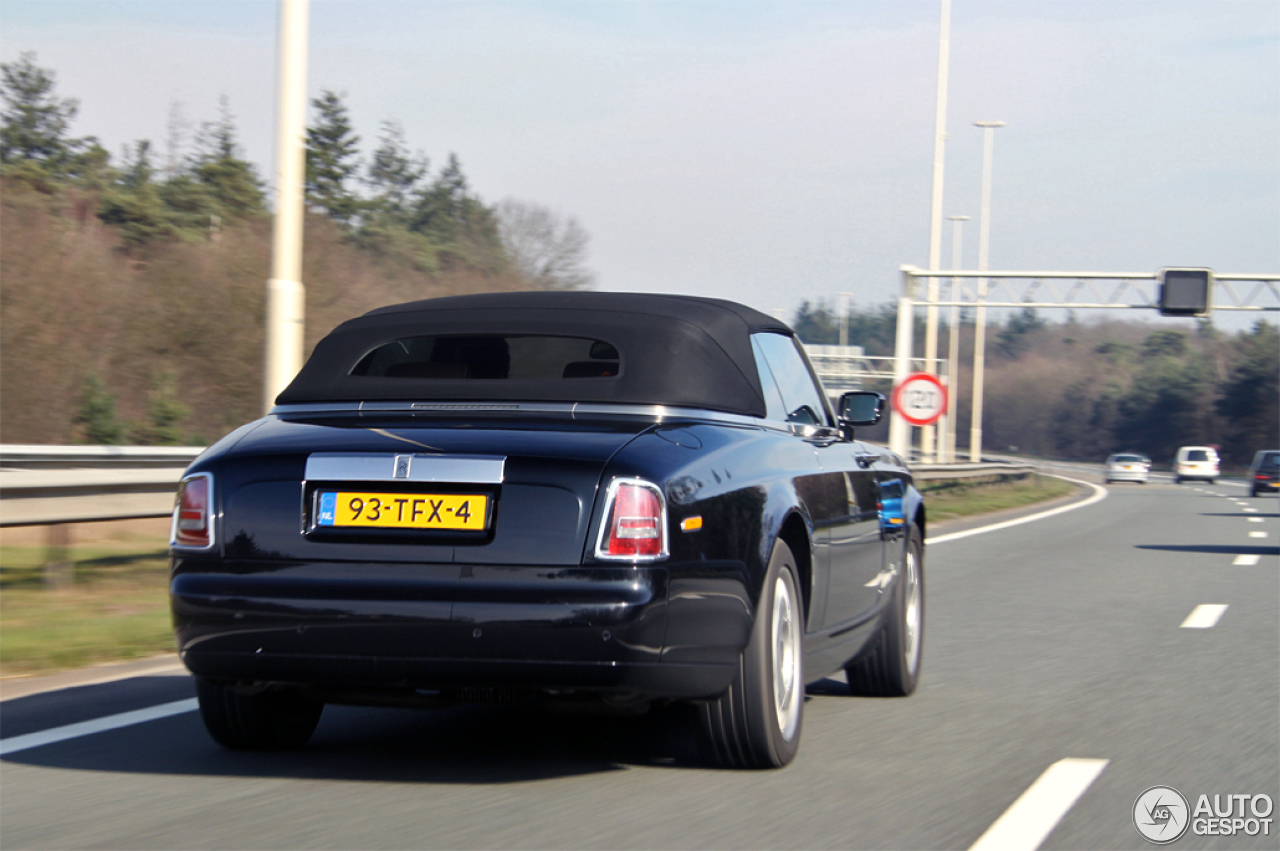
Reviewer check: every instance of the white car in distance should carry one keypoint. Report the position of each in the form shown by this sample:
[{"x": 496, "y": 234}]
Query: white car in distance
[{"x": 1127, "y": 467}]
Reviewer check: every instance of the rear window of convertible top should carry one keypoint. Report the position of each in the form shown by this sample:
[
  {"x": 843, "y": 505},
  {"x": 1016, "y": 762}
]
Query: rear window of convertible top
[{"x": 491, "y": 356}]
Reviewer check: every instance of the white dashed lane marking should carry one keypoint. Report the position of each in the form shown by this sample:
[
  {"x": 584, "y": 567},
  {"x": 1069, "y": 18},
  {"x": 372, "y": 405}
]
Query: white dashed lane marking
[
  {"x": 1246, "y": 560},
  {"x": 1204, "y": 616},
  {"x": 13, "y": 744},
  {"x": 1252, "y": 510},
  {"x": 1038, "y": 810},
  {"x": 1254, "y": 519},
  {"x": 1257, "y": 534}
]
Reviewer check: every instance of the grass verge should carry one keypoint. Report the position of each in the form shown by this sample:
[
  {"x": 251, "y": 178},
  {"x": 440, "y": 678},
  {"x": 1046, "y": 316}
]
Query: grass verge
[
  {"x": 118, "y": 606},
  {"x": 949, "y": 500}
]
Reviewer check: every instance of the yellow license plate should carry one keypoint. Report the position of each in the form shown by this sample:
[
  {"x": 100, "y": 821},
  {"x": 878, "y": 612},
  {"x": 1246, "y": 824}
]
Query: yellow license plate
[{"x": 466, "y": 512}]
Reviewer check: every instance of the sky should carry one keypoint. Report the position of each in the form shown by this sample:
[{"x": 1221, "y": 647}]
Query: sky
[{"x": 769, "y": 153}]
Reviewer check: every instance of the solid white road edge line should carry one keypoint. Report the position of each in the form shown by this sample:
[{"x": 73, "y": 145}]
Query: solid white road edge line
[
  {"x": 1099, "y": 494},
  {"x": 1204, "y": 616},
  {"x": 97, "y": 725},
  {"x": 1247, "y": 561},
  {"x": 1039, "y": 809}
]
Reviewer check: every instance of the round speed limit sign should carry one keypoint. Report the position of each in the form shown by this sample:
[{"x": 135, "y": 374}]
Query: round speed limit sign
[{"x": 920, "y": 399}]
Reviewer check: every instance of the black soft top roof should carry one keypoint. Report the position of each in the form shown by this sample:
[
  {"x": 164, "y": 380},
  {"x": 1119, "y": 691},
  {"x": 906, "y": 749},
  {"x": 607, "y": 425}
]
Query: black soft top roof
[{"x": 675, "y": 350}]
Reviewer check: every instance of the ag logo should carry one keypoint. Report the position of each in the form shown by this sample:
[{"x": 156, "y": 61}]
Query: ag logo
[{"x": 1161, "y": 814}]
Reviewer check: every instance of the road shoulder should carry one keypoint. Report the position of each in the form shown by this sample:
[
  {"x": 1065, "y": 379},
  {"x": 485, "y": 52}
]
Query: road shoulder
[{"x": 166, "y": 664}]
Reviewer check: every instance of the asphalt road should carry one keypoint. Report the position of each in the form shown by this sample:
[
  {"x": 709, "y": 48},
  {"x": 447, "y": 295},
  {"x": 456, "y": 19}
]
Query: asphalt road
[{"x": 1060, "y": 639}]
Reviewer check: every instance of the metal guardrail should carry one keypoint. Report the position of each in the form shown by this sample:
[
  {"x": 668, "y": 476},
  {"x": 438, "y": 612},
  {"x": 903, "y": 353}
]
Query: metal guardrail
[
  {"x": 964, "y": 472},
  {"x": 34, "y": 456},
  {"x": 55, "y": 486},
  {"x": 44, "y": 485}
]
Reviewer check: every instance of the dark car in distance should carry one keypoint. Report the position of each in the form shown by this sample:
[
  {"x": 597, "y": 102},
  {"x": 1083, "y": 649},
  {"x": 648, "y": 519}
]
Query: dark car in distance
[
  {"x": 1264, "y": 472},
  {"x": 604, "y": 498}
]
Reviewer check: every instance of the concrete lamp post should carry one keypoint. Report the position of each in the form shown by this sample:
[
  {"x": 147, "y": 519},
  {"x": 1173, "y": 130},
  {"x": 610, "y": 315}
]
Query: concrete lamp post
[
  {"x": 953, "y": 345},
  {"x": 980, "y": 314},
  {"x": 286, "y": 296}
]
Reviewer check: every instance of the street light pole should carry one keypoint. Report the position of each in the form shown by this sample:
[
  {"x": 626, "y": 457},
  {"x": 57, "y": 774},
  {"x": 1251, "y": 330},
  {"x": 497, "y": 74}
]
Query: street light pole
[
  {"x": 286, "y": 297},
  {"x": 980, "y": 314},
  {"x": 953, "y": 344},
  {"x": 842, "y": 304},
  {"x": 899, "y": 428},
  {"x": 935, "y": 214}
]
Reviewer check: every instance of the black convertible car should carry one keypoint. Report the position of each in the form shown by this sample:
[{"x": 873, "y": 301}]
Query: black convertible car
[{"x": 596, "y": 497}]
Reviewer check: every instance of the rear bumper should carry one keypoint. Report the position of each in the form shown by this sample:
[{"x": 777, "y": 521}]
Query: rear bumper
[
  {"x": 1266, "y": 485},
  {"x": 662, "y": 632},
  {"x": 1126, "y": 475}
]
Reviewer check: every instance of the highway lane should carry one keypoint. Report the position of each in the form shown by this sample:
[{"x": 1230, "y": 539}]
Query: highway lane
[{"x": 1056, "y": 639}]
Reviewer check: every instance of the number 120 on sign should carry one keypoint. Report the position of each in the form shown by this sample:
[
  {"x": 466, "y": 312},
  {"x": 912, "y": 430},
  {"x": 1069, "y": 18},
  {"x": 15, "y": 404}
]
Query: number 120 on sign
[{"x": 920, "y": 399}]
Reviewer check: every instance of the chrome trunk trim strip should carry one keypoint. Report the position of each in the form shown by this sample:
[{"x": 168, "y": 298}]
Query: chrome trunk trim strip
[{"x": 390, "y": 466}]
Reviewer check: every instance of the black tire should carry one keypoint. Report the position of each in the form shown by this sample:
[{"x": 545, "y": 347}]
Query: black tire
[
  {"x": 889, "y": 666},
  {"x": 1177, "y": 480},
  {"x": 1253, "y": 494},
  {"x": 1212, "y": 481},
  {"x": 266, "y": 720},
  {"x": 757, "y": 722}
]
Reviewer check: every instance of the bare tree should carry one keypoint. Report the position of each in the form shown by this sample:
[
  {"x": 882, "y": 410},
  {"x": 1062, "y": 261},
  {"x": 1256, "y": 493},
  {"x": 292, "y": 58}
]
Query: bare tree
[{"x": 547, "y": 251}]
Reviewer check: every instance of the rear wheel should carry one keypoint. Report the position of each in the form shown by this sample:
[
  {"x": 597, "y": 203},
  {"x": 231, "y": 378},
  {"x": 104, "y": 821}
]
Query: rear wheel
[
  {"x": 257, "y": 720},
  {"x": 890, "y": 664},
  {"x": 756, "y": 723}
]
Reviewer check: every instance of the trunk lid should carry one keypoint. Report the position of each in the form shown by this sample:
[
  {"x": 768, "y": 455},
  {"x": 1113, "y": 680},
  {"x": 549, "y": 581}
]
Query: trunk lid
[{"x": 541, "y": 510}]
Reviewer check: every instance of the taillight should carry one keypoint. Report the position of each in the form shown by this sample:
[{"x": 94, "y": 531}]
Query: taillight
[
  {"x": 635, "y": 522},
  {"x": 192, "y": 523}
]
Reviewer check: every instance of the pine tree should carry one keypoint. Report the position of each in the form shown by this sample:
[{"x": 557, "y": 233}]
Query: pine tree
[
  {"x": 164, "y": 414},
  {"x": 35, "y": 121},
  {"x": 394, "y": 173},
  {"x": 332, "y": 147},
  {"x": 232, "y": 181},
  {"x": 97, "y": 413},
  {"x": 463, "y": 230},
  {"x": 134, "y": 204}
]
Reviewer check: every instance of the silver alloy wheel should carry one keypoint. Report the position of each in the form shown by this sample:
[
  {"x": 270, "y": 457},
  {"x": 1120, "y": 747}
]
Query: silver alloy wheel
[
  {"x": 788, "y": 691},
  {"x": 912, "y": 613}
]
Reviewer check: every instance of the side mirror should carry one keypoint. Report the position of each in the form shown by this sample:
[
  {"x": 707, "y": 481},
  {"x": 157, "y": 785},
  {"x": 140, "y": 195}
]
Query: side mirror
[{"x": 859, "y": 407}]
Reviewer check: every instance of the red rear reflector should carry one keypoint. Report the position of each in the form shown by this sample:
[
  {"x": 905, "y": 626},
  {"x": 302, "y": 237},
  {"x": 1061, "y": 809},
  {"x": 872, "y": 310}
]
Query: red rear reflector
[
  {"x": 191, "y": 525},
  {"x": 635, "y": 522}
]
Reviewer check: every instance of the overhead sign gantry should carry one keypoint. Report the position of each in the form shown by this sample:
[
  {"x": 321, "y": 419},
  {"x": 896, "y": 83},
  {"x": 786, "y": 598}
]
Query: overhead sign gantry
[{"x": 1172, "y": 291}]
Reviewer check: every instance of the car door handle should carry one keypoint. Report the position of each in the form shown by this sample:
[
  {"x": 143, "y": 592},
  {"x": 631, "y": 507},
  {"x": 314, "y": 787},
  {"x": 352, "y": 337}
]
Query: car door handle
[{"x": 866, "y": 459}]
